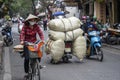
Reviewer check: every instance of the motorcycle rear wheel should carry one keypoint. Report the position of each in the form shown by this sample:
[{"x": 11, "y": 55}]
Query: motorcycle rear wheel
[
  {"x": 7, "y": 42},
  {"x": 65, "y": 59},
  {"x": 99, "y": 53}
]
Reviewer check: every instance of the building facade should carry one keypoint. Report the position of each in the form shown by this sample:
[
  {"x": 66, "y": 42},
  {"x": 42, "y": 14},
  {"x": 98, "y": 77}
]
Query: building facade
[{"x": 104, "y": 10}]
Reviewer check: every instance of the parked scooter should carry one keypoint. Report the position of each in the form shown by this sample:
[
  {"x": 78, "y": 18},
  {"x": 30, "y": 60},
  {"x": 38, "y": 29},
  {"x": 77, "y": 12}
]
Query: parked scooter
[
  {"x": 6, "y": 33},
  {"x": 104, "y": 34},
  {"x": 114, "y": 35},
  {"x": 94, "y": 46}
]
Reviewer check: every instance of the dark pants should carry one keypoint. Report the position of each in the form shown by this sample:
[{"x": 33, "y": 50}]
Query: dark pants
[
  {"x": 45, "y": 27},
  {"x": 26, "y": 59}
]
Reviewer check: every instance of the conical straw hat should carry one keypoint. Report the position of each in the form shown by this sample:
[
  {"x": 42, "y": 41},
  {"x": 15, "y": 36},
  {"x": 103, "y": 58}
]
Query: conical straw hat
[{"x": 31, "y": 17}]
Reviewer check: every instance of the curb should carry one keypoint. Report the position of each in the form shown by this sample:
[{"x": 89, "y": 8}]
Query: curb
[
  {"x": 111, "y": 46},
  {"x": 7, "y": 67}
]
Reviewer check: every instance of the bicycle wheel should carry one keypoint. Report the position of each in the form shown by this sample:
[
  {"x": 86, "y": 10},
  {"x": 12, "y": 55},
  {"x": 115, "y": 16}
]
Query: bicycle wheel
[
  {"x": 31, "y": 73},
  {"x": 29, "y": 77},
  {"x": 38, "y": 69},
  {"x": 35, "y": 70},
  {"x": 99, "y": 53}
]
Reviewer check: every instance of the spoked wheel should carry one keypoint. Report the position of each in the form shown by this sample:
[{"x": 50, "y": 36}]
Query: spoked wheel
[
  {"x": 8, "y": 43},
  {"x": 36, "y": 71},
  {"x": 65, "y": 59},
  {"x": 29, "y": 77},
  {"x": 99, "y": 53},
  {"x": 30, "y": 74},
  {"x": 112, "y": 40},
  {"x": 87, "y": 56},
  {"x": 52, "y": 61}
]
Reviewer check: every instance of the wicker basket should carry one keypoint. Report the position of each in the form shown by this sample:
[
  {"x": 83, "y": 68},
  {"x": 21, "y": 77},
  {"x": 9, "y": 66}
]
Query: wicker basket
[{"x": 33, "y": 54}]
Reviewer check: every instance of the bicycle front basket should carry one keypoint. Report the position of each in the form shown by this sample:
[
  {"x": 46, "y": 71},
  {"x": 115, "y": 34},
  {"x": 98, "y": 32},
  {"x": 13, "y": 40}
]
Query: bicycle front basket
[{"x": 33, "y": 54}]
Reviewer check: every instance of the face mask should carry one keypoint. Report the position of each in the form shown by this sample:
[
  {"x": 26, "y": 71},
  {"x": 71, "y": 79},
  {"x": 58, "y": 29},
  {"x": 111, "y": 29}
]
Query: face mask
[{"x": 32, "y": 23}]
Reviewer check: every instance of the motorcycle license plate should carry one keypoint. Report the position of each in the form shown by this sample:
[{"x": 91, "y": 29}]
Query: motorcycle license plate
[{"x": 68, "y": 47}]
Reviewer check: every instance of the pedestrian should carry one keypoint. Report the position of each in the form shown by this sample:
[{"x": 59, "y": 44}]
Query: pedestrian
[
  {"x": 29, "y": 31},
  {"x": 45, "y": 24}
]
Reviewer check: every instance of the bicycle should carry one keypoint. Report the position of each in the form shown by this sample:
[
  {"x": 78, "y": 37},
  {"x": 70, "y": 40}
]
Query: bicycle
[{"x": 35, "y": 55}]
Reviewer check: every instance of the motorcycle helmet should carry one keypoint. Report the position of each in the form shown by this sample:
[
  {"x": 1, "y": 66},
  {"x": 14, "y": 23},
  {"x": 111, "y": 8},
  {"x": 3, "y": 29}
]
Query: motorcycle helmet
[
  {"x": 9, "y": 19},
  {"x": 90, "y": 27},
  {"x": 94, "y": 18},
  {"x": 83, "y": 17},
  {"x": 88, "y": 19},
  {"x": 118, "y": 26}
]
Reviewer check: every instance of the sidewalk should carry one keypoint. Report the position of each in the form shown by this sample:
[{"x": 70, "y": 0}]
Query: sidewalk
[
  {"x": 5, "y": 73},
  {"x": 1, "y": 60}
]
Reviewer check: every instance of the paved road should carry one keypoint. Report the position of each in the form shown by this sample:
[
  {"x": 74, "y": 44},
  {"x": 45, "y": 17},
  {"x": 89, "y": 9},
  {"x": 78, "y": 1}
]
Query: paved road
[
  {"x": 75, "y": 70},
  {"x": 87, "y": 70}
]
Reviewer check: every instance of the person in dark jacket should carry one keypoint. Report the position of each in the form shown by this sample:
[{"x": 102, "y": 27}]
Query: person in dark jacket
[{"x": 45, "y": 24}]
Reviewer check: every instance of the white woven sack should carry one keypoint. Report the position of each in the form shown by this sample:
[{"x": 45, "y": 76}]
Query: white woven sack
[
  {"x": 79, "y": 47},
  {"x": 68, "y": 36},
  {"x": 56, "y": 49},
  {"x": 65, "y": 24}
]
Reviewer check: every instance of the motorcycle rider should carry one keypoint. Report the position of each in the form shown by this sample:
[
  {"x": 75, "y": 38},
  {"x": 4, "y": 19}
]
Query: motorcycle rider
[
  {"x": 45, "y": 23},
  {"x": 88, "y": 26},
  {"x": 97, "y": 23},
  {"x": 7, "y": 27},
  {"x": 84, "y": 22},
  {"x": 28, "y": 33}
]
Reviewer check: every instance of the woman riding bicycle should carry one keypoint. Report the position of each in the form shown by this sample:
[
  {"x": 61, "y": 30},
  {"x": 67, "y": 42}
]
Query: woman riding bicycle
[{"x": 28, "y": 34}]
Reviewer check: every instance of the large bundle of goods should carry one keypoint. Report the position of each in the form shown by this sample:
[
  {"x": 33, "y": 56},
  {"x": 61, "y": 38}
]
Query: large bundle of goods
[
  {"x": 79, "y": 47},
  {"x": 55, "y": 48},
  {"x": 65, "y": 24},
  {"x": 66, "y": 29},
  {"x": 66, "y": 36}
]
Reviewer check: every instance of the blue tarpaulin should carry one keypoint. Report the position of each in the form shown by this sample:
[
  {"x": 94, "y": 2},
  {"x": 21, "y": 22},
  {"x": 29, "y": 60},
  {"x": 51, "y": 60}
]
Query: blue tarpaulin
[{"x": 58, "y": 13}]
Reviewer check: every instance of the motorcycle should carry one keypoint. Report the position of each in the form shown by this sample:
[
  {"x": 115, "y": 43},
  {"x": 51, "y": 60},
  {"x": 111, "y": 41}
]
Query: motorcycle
[
  {"x": 113, "y": 36},
  {"x": 6, "y": 35},
  {"x": 68, "y": 44},
  {"x": 104, "y": 34},
  {"x": 94, "y": 46},
  {"x": 68, "y": 52}
]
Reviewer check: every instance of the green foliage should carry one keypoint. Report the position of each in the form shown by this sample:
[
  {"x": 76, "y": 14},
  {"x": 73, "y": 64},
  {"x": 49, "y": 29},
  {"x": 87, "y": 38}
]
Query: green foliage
[
  {"x": 22, "y": 6},
  {"x": 100, "y": 1}
]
